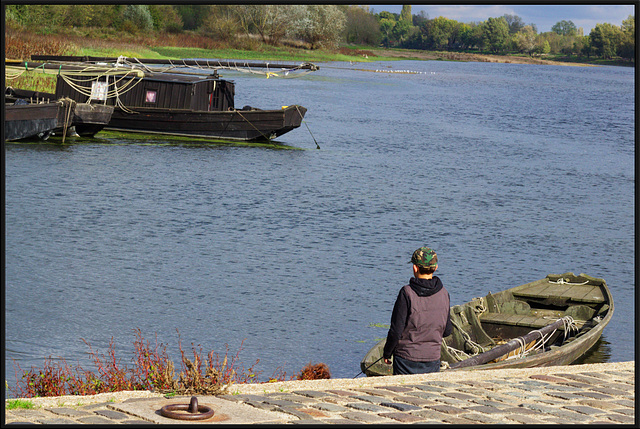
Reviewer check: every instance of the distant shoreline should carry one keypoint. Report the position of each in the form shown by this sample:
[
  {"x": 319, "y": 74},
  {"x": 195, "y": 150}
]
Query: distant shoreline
[{"x": 470, "y": 57}]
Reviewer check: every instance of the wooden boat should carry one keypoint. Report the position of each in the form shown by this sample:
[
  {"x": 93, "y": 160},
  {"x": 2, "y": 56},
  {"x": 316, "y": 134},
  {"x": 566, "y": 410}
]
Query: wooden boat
[
  {"x": 83, "y": 118},
  {"x": 192, "y": 105},
  {"x": 553, "y": 321},
  {"x": 25, "y": 120}
]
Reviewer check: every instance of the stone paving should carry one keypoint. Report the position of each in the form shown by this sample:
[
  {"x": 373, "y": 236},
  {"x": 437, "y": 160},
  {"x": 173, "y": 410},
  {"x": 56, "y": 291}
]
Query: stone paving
[{"x": 579, "y": 394}]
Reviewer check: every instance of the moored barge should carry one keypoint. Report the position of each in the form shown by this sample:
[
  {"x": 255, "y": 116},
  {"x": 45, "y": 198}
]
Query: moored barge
[{"x": 180, "y": 104}]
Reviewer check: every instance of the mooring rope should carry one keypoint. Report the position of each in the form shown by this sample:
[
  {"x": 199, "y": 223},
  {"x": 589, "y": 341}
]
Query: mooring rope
[
  {"x": 562, "y": 281},
  {"x": 521, "y": 351},
  {"x": 475, "y": 347},
  {"x": 242, "y": 116},
  {"x": 479, "y": 308},
  {"x": 308, "y": 129},
  {"x": 69, "y": 103},
  {"x": 458, "y": 354},
  {"x": 569, "y": 325},
  {"x": 128, "y": 85}
]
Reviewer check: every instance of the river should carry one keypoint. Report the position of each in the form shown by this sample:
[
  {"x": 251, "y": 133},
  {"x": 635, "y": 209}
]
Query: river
[{"x": 296, "y": 254}]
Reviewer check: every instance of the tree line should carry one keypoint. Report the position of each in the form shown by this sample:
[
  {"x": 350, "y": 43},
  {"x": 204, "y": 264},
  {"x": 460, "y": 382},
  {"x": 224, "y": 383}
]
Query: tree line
[
  {"x": 505, "y": 34},
  {"x": 326, "y": 26}
]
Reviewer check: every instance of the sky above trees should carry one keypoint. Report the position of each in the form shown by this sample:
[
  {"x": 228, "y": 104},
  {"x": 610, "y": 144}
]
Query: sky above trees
[{"x": 544, "y": 16}]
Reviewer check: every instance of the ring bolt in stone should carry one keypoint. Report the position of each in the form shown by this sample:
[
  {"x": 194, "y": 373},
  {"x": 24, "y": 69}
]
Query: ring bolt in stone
[{"x": 193, "y": 411}]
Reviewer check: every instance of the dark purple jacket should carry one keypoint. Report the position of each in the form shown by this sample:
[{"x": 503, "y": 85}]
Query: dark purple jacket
[{"x": 419, "y": 320}]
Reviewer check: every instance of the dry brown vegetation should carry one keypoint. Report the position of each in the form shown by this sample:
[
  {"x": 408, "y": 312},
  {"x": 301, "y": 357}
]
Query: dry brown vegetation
[{"x": 20, "y": 45}]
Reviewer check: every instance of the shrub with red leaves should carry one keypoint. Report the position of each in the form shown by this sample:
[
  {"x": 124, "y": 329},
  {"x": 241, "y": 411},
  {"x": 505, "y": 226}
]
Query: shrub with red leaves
[{"x": 318, "y": 371}]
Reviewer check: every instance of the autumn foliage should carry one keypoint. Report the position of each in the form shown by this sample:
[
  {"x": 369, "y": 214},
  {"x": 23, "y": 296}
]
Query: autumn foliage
[{"x": 318, "y": 371}]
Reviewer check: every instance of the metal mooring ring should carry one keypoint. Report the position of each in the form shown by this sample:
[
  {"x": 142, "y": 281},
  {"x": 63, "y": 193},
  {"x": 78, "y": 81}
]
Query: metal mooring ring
[{"x": 195, "y": 411}]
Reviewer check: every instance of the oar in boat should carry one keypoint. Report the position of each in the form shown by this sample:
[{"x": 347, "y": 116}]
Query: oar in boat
[{"x": 511, "y": 345}]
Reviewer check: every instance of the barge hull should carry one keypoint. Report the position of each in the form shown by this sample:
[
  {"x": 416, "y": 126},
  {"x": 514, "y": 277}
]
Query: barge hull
[{"x": 245, "y": 125}]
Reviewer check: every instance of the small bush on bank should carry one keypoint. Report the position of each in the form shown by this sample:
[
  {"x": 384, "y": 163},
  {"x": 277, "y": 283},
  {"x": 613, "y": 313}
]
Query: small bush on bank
[
  {"x": 318, "y": 371},
  {"x": 152, "y": 370}
]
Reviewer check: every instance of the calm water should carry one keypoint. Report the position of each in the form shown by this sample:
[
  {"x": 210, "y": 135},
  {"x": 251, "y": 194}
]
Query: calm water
[{"x": 509, "y": 171}]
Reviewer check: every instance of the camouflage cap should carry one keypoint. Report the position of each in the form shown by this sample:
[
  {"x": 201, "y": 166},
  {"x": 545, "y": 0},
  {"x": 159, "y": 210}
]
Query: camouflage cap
[{"x": 424, "y": 257}]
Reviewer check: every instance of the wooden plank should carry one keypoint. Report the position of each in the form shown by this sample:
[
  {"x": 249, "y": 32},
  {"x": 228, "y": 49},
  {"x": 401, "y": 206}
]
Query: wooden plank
[
  {"x": 558, "y": 291},
  {"x": 516, "y": 320},
  {"x": 540, "y": 322},
  {"x": 591, "y": 294},
  {"x": 543, "y": 291},
  {"x": 578, "y": 293},
  {"x": 537, "y": 290}
]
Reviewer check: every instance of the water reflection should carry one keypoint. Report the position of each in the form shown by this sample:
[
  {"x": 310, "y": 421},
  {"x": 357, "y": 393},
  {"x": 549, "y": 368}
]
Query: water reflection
[
  {"x": 114, "y": 138},
  {"x": 599, "y": 353}
]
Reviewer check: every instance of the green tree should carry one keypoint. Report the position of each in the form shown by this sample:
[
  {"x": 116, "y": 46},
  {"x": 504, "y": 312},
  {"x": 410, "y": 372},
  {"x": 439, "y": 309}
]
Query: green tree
[
  {"x": 322, "y": 25},
  {"x": 400, "y": 31},
  {"x": 465, "y": 36},
  {"x": 104, "y": 15},
  {"x": 165, "y": 18},
  {"x": 629, "y": 25},
  {"x": 192, "y": 16},
  {"x": 79, "y": 15},
  {"x": 40, "y": 17},
  {"x": 580, "y": 45},
  {"x": 442, "y": 33},
  {"x": 495, "y": 32},
  {"x": 221, "y": 23},
  {"x": 361, "y": 26},
  {"x": 587, "y": 49},
  {"x": 271, "y": 22},
  {"x": 476, "y": 36},
  {"x": 627, "y": 47},
  {"x": 134, "y": 18},
  {"x": 514, "y": 22},
  {"x": 544, "y": 48},
  {"x": 421, "y": 18},
  {"x": 556, "y": 42},
  {"x": 525, "y": 40},
  {"x": 605, "y": 39},
  {"x": 405, "y": 15},
  {"x": 387, "y": 22},
  {"x": 565, "y": 28}
]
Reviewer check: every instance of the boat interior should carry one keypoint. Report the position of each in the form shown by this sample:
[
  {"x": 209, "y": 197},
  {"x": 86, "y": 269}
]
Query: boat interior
[{"x": 494, "y": 319}]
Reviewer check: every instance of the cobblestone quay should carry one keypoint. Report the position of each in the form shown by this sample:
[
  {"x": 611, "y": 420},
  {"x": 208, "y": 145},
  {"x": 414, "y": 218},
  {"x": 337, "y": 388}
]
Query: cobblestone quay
[{"x": 576, "y": 394}]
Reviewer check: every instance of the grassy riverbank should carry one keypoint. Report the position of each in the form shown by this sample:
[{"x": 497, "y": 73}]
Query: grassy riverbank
[
  {"x": 45, "y": 81},
  {"x": 21, "y": 44}
]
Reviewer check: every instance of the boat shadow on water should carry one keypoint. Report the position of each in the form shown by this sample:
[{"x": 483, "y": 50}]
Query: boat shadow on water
[
  {"x": 116, "y": 138},
  {"x": 599, "y": 353}
]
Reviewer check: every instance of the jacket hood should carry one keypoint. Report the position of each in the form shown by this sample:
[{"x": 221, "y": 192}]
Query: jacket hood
[{"x": 425, "y": 287}]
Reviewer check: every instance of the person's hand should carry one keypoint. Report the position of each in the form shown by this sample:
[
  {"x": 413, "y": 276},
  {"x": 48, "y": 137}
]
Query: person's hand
[{"x": 387, "y": 361}]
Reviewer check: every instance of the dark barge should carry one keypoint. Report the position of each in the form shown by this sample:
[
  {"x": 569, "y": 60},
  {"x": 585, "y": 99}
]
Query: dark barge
[
  {"x": 82, "y": 118},
  {"x": 25, "y": 120},
  {"x": 179, "y": 104}
]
